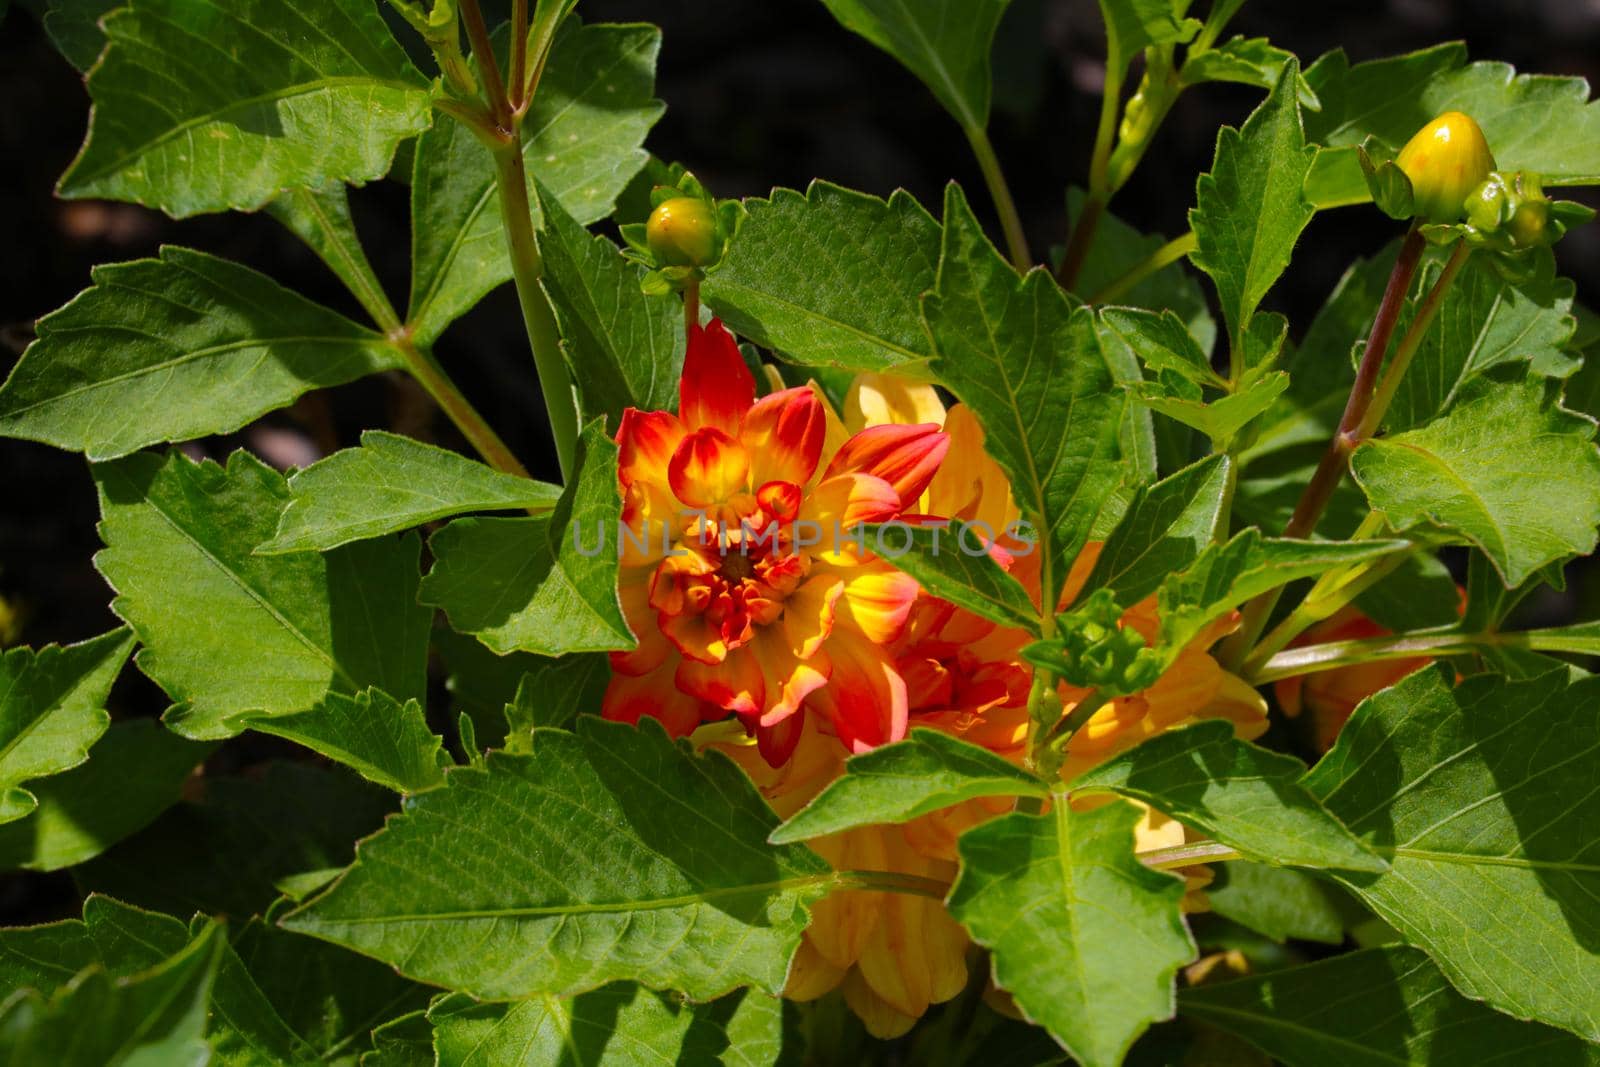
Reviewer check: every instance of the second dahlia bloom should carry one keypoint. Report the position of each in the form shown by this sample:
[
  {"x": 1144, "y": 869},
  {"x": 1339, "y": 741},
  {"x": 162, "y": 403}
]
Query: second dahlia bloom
[
  {"x": 745, "y": 573},
  {"x": 1330, "y": 697}
]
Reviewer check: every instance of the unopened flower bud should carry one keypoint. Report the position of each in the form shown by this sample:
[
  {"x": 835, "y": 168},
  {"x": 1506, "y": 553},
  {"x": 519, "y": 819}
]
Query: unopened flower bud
[
  {"x": 682, "y": 232},
  {"x": 1445, "y": 161}
]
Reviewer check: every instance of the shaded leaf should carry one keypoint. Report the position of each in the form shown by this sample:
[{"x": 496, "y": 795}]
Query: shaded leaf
[
  {"x": 951, "y": 560},
  {"x": 1480, "y": 796},
  {"x": 1247, "y": 61},
  {"x": 1083, "y": 935},
  {"x": 1392, "y": 1006},
  {"x": 214, "y": 106},
  {"x": 371, "y": 733},
  {"x": 896, "y": 783},
  {"x": 554, "y": 692},
  {"x": 74, "y": 28},
  {"x": 635, "y": 859},
  {"x": 180, "y": 540},
  {"x": 1032, "y": 369},
  {"x": 831, "y": 278},
  {"x": 1166, "y": 527},
  {"x": 1279, "y": 902},
  {"x": 1134, "y": 25},
  {"x": 392, "y": 483},
  {"x": 544, "y": 584},
  {"x": 175, "y": 348},
  {"x": 52, "y": 708},
  {"x": 1508, "y": 469},
  {"x": 1244, "y": 796}
]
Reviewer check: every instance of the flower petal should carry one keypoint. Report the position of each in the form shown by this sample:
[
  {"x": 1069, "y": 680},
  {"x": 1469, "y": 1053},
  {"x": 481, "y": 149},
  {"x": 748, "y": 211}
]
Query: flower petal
[
  {"x": 783, "y": 435},
  {"x": 907, "y": 457},
  {"x": 736, "y": 684},
  {"x": 707, "y": 468},
  {"x": 628, "y": 699},
  {"x": 876, "y": 399},
  {"x": 865, "y": 698},
  {"x": 877, "y": 599},
  {"x": 645, "y": 443},
  {"x": 717, "y": 387},
  {"x": 809, "y": 612},
  {"x": 845, "y": 501}
]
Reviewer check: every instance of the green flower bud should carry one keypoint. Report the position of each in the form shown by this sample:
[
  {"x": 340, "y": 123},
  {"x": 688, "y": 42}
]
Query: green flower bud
[
  {"x": 1447, "y": 159},
  {"x": 682, "y": 232}
]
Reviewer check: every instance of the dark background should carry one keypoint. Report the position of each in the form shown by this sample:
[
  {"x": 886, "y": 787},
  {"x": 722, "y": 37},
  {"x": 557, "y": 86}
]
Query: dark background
[{"x": 759, "y": 93}]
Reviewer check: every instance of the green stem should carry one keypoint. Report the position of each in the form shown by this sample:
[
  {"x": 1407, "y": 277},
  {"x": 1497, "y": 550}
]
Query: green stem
[
  {"x": 1044, "y": 712},
  {"x": 517, "y": 78},
  {"x": 494, "y": 86},
  {"x": 526, "y": 268},
  {"x": 1310, "y": 659},
  {"x": 1161, "y": 258},
  {"x": 1426, "y": 313},
  {"x": 1175, "y": 856},
  {"x": 1000, "y": 192},
  {"x": 1077, "y": 718},
  {"x": 1094, "y": 204},
  {"x": 892, "y": 882},
  {"x": 432, "y": 377}
]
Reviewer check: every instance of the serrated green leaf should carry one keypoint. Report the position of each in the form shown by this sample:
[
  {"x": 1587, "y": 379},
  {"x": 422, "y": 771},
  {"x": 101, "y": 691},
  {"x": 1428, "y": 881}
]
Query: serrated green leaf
[
  {"x": 862, "y": 310},
  {"x": 212, "y": 106},
  {"x": 392, "y": 483},
  {"x": 220, "y": 852},
  {"x": 44, "y": 957},
  {"x": 1484, "y": 322},
  {"x": 554, "y": 692},
  {"x": 618, "y": 1025},
  {"x": 1119, "y": 248},
  {"x": 155, "y": 1017},
  {"x": 1166, "y": 527},
  {"x": 180, "y": 540},
  {"x": 1537, "y": 122},
  {"x": 175, "y": 348},
  {"x": 896, "y": 783},
  {"x": 1224, "y": 576},
  {"x": 636, "y": 859},
  {"x": 1222, "y": 418},
  {"x": 1250, "y": 209},
  {"x": 133, "y": 773},
  {"x": 1247, "y": 61},
  {"x": 1479, "y": 795},
  {"x": 1508, "y": 469},
  {"x": 1134, "y": 25},
  {"x": 1280, "y": 902},
  {"x": 482, "y": 683},
  {"x": 1379, "y": 1006},
  {"x": 1033, "y": 370},
  {"x": 1084, "y": 936},
  {"x": 52, "y": 708},
  {"x": 945, "y": 43},
  {"x": 581, "y": 139},
  {"x": 1489, "y": 600},
  {"x": 950, "y": 560},
  {"x": 625, "y": 349},
  {"x": 1246, "y": 797},
  {"x": 1162, "y": 342},
  {"x": 406, "y": 1041},
  {"x": 321, "y": 218},
  {"x": 545, "y": 584},
  {"x": 372, "y": 733}
]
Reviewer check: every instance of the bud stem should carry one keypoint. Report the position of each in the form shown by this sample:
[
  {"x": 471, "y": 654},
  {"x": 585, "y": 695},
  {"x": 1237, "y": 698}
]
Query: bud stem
[
  {"x": 1000, "y": 192},
  {"x": 1409, "y": 344}
]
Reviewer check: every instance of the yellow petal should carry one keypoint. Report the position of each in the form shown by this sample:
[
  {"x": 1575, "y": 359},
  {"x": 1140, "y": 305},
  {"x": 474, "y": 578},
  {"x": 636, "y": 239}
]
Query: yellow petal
[{"x": 876, "y": 399}]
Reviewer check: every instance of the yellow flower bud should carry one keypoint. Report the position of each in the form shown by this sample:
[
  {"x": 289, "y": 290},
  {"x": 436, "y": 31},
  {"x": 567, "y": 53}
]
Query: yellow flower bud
[
  {"x": 682, "y": 232},
  {"x": 1445, "y": 161}
]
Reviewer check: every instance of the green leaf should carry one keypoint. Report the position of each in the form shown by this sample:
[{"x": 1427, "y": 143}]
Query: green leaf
[
  {"x": 553, "y": 693},
  {"x": 1226, "y": 575},
  {"x": 406, "y": 1041},
  {"x": 1083, "y": 935},
  {"x": 896, "y": 783},
  {"x": 1033, "y": 370},
  {"x": 1134, "y": 25},
  {"x": 52, "y": 708},
  {"x": 1220, "y": 419},
  {"x": 215, "y": 106},
  {"x": 220, "y": 852},
  {"x": 74, "y": 28},
  {"x": 1484, "y": 322},
  {"x": 1508, "y": 469},
  {"x": 1373, "y": 1008},
  {"x": 133, "y": 773},
  {"x": 1247, "y": 61},
  {"x": 945, "y": 43},
  {"x": 1166, "y": 527},
  {"x": 1244, "y": 796},
  {"x": 545, "y": 584},
  {"x": 581, "y": 140},
  {"x": 1279, "y": 902},
  {"x": 1479, "y": 795},
  {"x": 44, "y": 957},
  {"x": 831, "y": 278},
  {"x": 321, "y": 218},
  {"x": 482, "y": 683},
  {"x": 950, "y": 560},
  {"x": 635, "y": 859},
  {"x": 618, "y": 1025},
  {"x": 392, "y": 483},
  {"x": 1162, "y": 342},
  {"x": 1119, "y": 248},
  {"x": 372, "y": 733},
  {"x": 1250, "y": 209},
  {"x": 176, "y": 348},
  {"x": 154, "y": 1017},
  {"x": 1536, "y": 122},
  {"x": 180, "y": 538},
  {"x": 625, "y": 349}
]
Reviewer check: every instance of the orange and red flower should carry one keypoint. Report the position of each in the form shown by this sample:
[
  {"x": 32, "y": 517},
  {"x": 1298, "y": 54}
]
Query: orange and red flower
[{"x": 741, "y": 578}]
